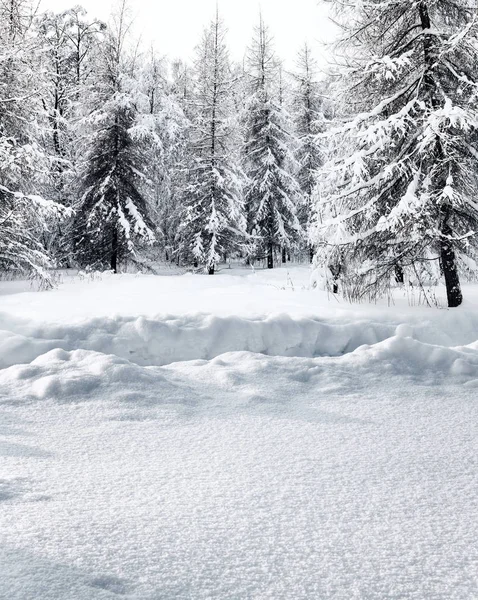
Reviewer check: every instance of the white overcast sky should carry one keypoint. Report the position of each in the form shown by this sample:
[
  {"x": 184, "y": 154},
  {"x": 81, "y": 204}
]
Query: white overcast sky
[{"x": 175, "y": 26}]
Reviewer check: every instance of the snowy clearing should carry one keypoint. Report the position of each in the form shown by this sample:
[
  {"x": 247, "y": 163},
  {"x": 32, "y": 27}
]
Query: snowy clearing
[{"x": 252, "y": 449}]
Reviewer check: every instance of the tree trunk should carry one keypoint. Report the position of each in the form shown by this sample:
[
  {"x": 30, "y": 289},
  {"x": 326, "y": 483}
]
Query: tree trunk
[
  {"x": 447, "y": 252},
  {"x": 284, "y": 255},
  {"x": 114, "y": 250},
  {"x": 270, "y": 256},
  {"x": 448, "y": 263},
  {"x": 311, "y": 254},
  {"x": 399, "y": 276},
  {"x": 335, "y": 270},
  {"x": 211, "y": 270}
]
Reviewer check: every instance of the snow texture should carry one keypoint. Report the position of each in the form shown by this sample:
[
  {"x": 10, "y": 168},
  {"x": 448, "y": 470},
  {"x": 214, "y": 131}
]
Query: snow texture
[{"x": 325, "y": 451}]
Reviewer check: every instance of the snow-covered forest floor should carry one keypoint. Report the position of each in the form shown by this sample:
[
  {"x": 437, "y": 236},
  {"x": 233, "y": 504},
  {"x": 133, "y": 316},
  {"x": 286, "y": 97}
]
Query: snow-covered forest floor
[{"x": 240, "y": 436}]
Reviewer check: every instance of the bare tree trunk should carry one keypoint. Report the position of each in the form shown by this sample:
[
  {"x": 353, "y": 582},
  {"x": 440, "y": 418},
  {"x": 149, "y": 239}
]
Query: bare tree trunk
[
  {"x": 399, "y": 276},
  {"x": 114, "y": 250},
  {"x": 270, "y": 256},
  {"x": 335, "y": 270},
  {"x": 448, "y": 263}
]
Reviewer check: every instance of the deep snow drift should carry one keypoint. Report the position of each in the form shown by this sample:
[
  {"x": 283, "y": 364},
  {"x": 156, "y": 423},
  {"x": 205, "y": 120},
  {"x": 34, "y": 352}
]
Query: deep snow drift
[
  {"x": 299, "y": 464},
  {"x": 158, "y": 320}
]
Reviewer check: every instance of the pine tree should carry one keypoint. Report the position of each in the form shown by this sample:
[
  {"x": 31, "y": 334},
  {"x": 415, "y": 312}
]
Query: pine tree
[
  {"x": 111, "y": 215},
  {"x": 307, "y": 108},
  {"x": 272, "y": 192},
  {"x": 404, "y": 194},
  {"x": 213, "y": 224}
]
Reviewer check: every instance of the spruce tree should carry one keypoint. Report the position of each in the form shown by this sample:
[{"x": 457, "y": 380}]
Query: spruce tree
[
  {"x": 111, "y": 215},
  {"x": 307, "y": 110},
  {"x": 401, "y": 189},
  {"x": 212, "y": 222},
  {"x": 272, "y": 192}
]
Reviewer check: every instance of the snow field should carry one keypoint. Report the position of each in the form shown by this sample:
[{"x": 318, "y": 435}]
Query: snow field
[
  {"x": 297, "y": 455},
  {"x": 193, "y": 317}
]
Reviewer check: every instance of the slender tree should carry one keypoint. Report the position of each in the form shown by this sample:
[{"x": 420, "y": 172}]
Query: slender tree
[
  {"x": 272, "y": 192},
  {"x": 166, "y": 159},
  {"x": 213, "y": 224},
  {"x": 307, "y": 109}
]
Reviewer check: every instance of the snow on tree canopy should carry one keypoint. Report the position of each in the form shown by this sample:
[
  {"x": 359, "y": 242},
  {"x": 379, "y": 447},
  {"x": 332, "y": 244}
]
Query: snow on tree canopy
[
  {"x": 212, "y": 224},
  {"x": 112, "y": 214},
  {"x": 400, "y": 188},
  {"x": 272, "y": 192}
]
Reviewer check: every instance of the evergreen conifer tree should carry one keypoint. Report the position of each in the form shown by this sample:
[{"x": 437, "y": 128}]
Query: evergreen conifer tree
[
  {"x": 212, "y": 222},
  {"x": 401, "y": 189},
  {"x": 272, "y": 192},
  {"x": 307, "y": 110},
  {"x": 111, "y": 216}
]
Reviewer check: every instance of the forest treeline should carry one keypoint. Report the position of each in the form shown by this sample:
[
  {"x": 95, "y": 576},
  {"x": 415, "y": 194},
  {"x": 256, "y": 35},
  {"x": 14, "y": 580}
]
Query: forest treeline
[{"x": 112, "y": 154}]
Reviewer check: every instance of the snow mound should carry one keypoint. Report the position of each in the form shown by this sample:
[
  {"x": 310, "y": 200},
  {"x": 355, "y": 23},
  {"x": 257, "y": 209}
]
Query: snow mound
[
  {"x": 168, "y": 339},
  {"x": 171, "y": 339},
  {"x": 64, "y": 375},
  {"x": 404, "y": 355},
  {"x": 82, "y": 373}
]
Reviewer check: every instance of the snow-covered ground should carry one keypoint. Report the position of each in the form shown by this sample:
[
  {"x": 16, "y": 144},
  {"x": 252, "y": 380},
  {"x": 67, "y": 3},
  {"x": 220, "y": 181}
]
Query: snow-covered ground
[{"x": 239, "y": 437}]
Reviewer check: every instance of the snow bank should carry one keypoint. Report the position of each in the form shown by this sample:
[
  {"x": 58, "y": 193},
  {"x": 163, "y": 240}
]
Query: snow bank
[
  {"x": 160, "y": 341},
  {"x": 272, "y": 313},
  {"x": 404, "y": 355},
  {"x": 81, "y": 373}
]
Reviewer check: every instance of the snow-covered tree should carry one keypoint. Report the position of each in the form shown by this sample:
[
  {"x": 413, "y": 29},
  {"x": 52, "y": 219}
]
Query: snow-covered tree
[
  {"x": 213, "y": 224},
  {"x": 272, "y": 192},
  {"x": 307, "y": 110},
  {"x": 401, "y": 190},
  {"x": 182, "y": 83},
  {"x": 57, "y": 99},
  {"x": 111, "y": 216},
  {"x": 84, "y": 35},
  {"x": 24, "y": 164},
  {"x": 69, "y": 40},
  {"x": 167, "y": 157},
  {"x": 66, "y": 44}
]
